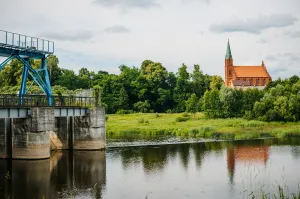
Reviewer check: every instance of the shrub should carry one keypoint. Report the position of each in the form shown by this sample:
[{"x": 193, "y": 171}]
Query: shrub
[
  {"x": 182, "y": 119},
  {"x": 122, "y": 111},
  {"x": 254, "y": 123},
  {"x": 169, "y": 111},
  {"x": 185, "y": 114},
  {"x": 141, "y": 120},
  {"x": 106, "y": 118},
  {"x": 157, "y": 115}
]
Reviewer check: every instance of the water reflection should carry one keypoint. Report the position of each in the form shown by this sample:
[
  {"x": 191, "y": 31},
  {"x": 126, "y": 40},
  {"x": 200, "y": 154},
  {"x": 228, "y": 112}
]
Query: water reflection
[
  {"x": 198, "y": 170},
  {"x": 245, "y": 153},
  {"x": 64, "y": 175},
  {"x": 231, "y": 166}
]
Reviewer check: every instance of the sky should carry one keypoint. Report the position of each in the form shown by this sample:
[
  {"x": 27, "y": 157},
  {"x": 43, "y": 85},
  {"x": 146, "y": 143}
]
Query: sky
[{"x": 104, "y": 34}]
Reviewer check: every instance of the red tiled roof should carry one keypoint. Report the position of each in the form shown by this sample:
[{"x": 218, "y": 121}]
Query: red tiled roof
[{"x": 250, "y": 71}]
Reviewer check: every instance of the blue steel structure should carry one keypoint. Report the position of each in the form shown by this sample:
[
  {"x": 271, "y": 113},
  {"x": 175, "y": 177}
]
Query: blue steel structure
[{"x": 24, "y": 48}]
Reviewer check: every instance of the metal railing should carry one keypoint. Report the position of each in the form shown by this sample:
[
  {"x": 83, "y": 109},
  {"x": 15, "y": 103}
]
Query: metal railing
[
  {"x": 24, "y": 42},
  {"x": 9, "y": 100}
]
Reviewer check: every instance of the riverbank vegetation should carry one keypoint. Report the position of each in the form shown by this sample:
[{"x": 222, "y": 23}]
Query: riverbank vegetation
[
  {"x": 150, "y": 88},
  {"x": 196, "y": 125}
]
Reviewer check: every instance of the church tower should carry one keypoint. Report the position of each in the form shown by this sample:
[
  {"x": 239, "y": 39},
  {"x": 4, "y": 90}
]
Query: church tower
[{"x": 228, "y": 65}]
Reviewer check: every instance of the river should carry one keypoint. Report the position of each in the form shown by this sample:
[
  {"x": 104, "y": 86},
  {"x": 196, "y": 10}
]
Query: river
[{"x": 226, "y": 170}]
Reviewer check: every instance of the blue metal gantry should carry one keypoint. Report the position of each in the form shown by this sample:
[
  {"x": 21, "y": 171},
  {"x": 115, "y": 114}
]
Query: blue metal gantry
[{"x": 24, "y": 48}]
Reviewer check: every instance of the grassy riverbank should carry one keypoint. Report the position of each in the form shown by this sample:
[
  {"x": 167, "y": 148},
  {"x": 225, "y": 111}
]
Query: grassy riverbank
[{"x": 190, "y": 125}]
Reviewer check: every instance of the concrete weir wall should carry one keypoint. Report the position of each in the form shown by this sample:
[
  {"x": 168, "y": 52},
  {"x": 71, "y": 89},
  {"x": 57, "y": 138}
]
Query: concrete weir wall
[
  {"x": 89, "y": 131},
  {"x": 30, "y": 138}
]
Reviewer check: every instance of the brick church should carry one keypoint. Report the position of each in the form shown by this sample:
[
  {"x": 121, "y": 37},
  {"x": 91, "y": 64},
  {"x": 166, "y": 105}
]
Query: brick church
[{"x": 244, "y": 76}]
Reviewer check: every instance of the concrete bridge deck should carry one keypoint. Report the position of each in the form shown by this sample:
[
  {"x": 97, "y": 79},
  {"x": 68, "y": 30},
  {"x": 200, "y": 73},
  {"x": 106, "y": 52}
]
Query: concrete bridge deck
[{"x": 23, "y": 112}]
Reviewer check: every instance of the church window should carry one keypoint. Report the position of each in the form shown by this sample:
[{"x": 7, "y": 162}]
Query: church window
[
  {"x": 264, "y": 82},
  {"x": 257, "y": 82},
  {"x": 230, "y": 73}
]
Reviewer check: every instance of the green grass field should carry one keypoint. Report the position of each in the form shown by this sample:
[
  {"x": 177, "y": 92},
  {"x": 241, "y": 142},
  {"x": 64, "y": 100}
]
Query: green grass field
[{"x": 189, "y": 125}]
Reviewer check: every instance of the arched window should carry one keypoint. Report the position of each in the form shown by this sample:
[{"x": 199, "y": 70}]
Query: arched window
[
  {"x": 264, "y": 81},
  {"x": 230, "y": 73},
  {"x": 251, "y": 82}
]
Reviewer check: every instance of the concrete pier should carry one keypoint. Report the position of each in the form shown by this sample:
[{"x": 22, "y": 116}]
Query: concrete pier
[
  {"x": 31, "y": 135},
  {"x": 89, "y": 131},
  {"x": 5, "y": 138}
]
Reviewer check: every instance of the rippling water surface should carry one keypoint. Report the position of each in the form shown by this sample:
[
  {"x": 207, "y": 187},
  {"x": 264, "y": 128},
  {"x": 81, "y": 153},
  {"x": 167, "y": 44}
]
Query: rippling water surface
[{"x": 164, "y": 170}]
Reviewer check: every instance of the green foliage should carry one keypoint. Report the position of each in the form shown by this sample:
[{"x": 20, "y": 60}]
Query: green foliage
[
  {"x": 142, "y": 107},
  {"x": 141, "y": 120},
  {"x": 150, "y": 88},
  {"x": 216, "y": 82},
  {"x": 192, "y": 104},
  {"x": 211, "y": 104},
  {"x": 96, "y": 94},
  {"x": 182, "y": 119}
]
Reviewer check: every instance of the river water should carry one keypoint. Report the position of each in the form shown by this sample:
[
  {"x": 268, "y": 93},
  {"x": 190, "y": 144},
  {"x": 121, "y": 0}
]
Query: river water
[{"x": 226, "y": 170}]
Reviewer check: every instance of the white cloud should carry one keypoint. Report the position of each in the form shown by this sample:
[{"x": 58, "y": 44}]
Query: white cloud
[
  {"x": 117, "y": 29},
  {"x": 168, "y": 31},
  {"x": 255, "y": 24}
]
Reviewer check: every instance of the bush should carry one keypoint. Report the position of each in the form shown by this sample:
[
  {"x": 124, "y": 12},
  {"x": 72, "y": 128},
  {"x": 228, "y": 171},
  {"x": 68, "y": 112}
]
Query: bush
[
  {"x": 254, "y": 123},
  {"x": 185, "y": 114},
  {"x": 141, "y": 120},
  {"x": 122, "y": 111},
  {"x": 169, "y": 111},
  {"x": 182, "y": 119},
  {"x": 157, "y": 115},
  {"x": 106, "y": 118}
]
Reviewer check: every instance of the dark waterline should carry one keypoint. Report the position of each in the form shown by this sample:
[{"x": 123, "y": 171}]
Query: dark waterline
[{"x": 187, "y": 170}]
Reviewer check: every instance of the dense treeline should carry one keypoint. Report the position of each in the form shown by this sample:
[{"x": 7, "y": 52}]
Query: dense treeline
[
  {"x": 279, "y": 101},
  {"x": 151, "y": 88}
]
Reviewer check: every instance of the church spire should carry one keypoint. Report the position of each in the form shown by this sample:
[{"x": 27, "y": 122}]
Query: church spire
[{"x": 228, "y": 51}]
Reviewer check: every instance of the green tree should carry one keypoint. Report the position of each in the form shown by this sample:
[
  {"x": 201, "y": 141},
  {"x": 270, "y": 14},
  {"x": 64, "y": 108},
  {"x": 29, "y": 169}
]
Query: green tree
[
  {"x": 212, "y": 105},
  {"x": 192, "y": 104},
  {"x": 54, "y": 71},
  {"x": 143, "y": 107},
  {"x": 123, "y": 99},
  {"x": 182, "y": 89},
  {"x": 11, "y": 74},
  {"x": 200, "y": 82},
  {"x": 216, "y": 82}
]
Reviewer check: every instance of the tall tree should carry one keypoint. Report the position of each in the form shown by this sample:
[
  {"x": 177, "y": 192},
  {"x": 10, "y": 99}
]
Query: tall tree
[
  {"x": 200, "y": 82},
  {"x": 182, "y": 89},
  {"x": 54, "y": 71}
]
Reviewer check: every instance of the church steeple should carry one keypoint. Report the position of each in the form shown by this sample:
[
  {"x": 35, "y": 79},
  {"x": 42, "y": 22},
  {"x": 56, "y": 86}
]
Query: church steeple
[{"x": 228, "y": 51}]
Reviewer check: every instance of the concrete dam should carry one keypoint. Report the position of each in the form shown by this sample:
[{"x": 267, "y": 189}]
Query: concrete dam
[{"x": 31, "y": 133}]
